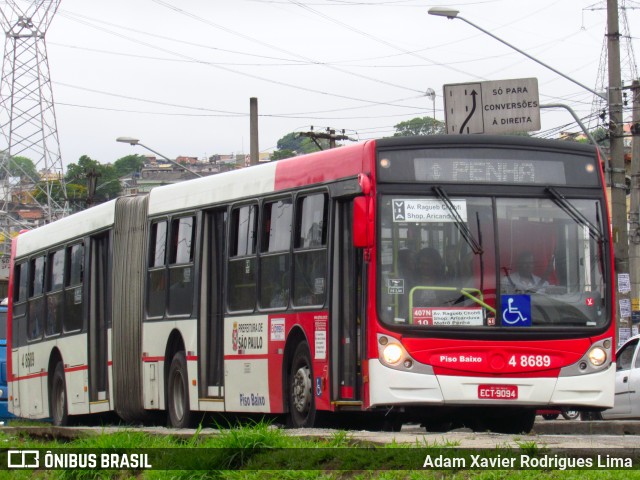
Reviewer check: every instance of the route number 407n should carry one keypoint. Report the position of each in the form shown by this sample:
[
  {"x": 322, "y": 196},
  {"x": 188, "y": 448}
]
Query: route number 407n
[{"x": 530, "y": 361}]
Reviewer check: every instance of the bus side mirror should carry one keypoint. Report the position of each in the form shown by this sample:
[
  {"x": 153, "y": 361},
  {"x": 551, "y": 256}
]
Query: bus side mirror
[{"x": 363, "y": 222}]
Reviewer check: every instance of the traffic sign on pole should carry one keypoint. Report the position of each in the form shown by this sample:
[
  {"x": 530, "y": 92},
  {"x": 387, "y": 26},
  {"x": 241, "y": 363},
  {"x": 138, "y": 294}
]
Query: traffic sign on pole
[{"x": 501, "y": 106}]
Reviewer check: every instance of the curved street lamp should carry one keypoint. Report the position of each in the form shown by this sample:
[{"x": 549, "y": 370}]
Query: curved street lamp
[{"x": 135, "y": 141}]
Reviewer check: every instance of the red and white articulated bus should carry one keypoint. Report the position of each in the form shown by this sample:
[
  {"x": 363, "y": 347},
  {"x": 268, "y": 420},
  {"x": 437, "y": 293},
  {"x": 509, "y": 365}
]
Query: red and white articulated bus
[{"x": 444, "y": 280}]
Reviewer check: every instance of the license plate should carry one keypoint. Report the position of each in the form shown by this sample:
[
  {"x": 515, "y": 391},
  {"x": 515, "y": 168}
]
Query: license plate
[{"x": 498, "y": 392}]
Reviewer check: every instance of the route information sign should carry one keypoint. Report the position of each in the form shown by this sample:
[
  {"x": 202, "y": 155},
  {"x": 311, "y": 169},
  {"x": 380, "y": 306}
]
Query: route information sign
[{"x": 501, "y": 106}]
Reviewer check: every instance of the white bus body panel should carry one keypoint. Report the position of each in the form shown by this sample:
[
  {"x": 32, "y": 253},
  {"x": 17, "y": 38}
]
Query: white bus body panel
[
  {"x": 213, "y": 189},
  {"x": 62, "y": 230},
  {"x": 394, "y": 387},
  {"x": 154, "y": 343}
]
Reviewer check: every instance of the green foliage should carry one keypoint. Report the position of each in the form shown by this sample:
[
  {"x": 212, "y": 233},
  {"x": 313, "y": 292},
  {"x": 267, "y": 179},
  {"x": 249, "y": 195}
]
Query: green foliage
[
  {"x": 76, "y": 194},
  {"x": 293, "y": 144},
  {"x": 24, "y": 168},
  {"x": 259, "y": 450},
  {"x": 129, "y": 164},
  {"x": 107, "y": 184},
  {"x": 419, "y": 126},
  {"x": 280, "y": 154}
]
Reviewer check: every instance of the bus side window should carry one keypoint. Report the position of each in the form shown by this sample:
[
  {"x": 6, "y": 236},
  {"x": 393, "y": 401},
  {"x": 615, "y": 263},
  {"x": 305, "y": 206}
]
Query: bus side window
[
  {"x": 35, "y": 320},
  {"x": 156, "y": 280},
  {"x": 310, "y": 250},
  {"x": 241, "y": 284},
  {"x": 181, "y": 265},
  {"x": 20, "y": 295},
  {"x": 275, "y": 259},
  {"x": 73, "y": 300},
  {"x": 55, "y": 282}
]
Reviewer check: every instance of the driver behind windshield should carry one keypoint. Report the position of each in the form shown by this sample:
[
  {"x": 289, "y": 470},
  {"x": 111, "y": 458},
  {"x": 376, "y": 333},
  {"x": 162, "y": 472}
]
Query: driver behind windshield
[{"x": 523, "y": 280}]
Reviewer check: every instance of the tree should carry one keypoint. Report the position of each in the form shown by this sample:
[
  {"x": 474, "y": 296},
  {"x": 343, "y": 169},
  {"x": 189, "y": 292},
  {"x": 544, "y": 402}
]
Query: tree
[
  {"x": 129, "y": 164},
  {"x": 280, "y": 154},
  {"x": 76, "y": 194},
  {"x": 293, "y": 144},
  {"x": 107, "y": 185},
  {"x": 24, "y": 168},
  {"x": 419, "y": 126}
]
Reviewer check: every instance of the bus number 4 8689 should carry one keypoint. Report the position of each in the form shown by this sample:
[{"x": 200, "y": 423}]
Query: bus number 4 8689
[{"x": 530, "y": 361}]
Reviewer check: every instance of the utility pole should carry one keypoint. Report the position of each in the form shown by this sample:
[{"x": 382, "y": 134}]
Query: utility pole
[
  {"x": 634, "y": 211},
  {"x": 254, "y": 152},
  {"x": 618, "y": 185},
  {"x": 329, "y": 135}
]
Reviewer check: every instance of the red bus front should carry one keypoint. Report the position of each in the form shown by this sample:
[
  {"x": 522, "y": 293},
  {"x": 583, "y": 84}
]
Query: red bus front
[{"x": 491, "y": 274}]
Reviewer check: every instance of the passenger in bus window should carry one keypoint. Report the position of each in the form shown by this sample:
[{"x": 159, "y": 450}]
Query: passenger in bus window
[{"x": 523, "y": 280}]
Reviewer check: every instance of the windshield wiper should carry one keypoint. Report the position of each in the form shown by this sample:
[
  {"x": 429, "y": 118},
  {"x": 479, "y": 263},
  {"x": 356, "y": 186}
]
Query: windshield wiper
[
  {"x": 575, "y": 214},
  {"x": 463, "y": 228}
]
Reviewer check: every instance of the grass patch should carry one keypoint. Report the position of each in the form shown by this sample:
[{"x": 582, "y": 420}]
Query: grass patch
[{"x": 260, "y": 450}]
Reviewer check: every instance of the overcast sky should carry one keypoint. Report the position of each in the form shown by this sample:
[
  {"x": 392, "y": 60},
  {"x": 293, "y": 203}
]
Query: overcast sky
[{"x": 178, "y": 74}]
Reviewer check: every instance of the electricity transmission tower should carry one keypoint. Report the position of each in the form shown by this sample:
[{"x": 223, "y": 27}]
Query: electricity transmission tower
[
  {"x": 27, "y": 117},
  {"x": 628, "y": 67}
]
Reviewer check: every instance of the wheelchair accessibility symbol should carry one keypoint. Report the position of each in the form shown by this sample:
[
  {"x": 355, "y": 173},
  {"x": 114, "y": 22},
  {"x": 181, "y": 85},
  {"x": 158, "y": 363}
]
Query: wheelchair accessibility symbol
[{"x": 516, "y": 310}]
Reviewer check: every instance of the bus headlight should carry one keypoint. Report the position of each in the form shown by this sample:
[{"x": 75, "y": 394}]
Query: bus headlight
[
  {"x": 392, "y": 353},
  {"x": 597, "y": 356}
]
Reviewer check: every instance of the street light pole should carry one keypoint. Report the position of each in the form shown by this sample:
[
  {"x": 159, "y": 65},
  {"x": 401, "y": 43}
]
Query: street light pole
[
  {"x": 453, "y": 14},
  {"x": 135, "y": 141},
  {"x": 617, "y": 172}
]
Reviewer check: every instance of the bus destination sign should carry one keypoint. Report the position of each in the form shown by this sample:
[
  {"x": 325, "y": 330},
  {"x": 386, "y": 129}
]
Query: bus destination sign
[
  {"x": 489, "y": 170},
  {"x": 493, "y": 107}
]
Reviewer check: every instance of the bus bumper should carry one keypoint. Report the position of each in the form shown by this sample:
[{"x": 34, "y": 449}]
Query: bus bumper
[{"x": 395, "y": 387}]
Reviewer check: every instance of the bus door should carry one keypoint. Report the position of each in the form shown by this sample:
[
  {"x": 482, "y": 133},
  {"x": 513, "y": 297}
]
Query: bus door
[
  {"x": 346, "y": 308},
  {"x": 211, "y": 315},
  {"x": 98, "y": 287},
  {"x": 19, "y": 346}
]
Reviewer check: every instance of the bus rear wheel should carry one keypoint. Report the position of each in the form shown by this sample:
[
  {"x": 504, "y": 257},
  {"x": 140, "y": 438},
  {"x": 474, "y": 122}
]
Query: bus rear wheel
[
  {"x": 58, "y": 397},
  {"x": 178, "y": 392},
  {"x": 302, "y": 405}
]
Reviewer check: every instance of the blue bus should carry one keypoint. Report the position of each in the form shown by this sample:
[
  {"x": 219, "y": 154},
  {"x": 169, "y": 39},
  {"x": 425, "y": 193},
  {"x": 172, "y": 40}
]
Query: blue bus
[{"x": 4, "y": 412}]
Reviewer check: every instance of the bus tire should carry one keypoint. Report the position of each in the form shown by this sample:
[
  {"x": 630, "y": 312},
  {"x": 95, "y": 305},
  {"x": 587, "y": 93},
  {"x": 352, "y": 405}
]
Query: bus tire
[
  {"x": 570, "y": 413},
  {"x": 302, "y": 404},
  {"x": 178, "y": 392},
  {"x": 550, "y": 416},
  {"x": 58, "y": 397}
]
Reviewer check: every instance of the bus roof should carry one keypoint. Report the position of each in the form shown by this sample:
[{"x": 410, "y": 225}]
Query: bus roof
[
  {"x": 213, "y": 189},
  {"x": 314, "y": 168},
  {"x": 76, "y": 225},
  {"x": 502, "y": 141}
]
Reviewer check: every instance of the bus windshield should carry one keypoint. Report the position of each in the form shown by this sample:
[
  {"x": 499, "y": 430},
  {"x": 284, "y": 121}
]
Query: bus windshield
[{"x": 492, "y": 262}]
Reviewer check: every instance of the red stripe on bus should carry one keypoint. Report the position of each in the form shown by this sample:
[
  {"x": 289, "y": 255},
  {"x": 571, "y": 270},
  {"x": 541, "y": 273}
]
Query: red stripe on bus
[
  {"x": 192, "y": 358},
  {"x": 264, "y": 356},
  {"x": 77, "y": 368},
  {"x": 28, "y": 377},
  {"x": 153, "y": 359}
]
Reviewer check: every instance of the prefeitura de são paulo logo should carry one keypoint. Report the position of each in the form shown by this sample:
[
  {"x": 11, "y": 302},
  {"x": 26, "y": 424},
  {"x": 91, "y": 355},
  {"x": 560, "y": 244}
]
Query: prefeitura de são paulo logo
[{"x": 234, "y": 336}]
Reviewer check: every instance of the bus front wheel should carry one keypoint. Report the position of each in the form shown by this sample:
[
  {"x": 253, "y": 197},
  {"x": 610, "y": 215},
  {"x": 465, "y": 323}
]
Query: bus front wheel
[
  {"x": 302, "y": 405},
  {"x": 178, "y": 392},
  {"x": 58, "y": 397}
]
